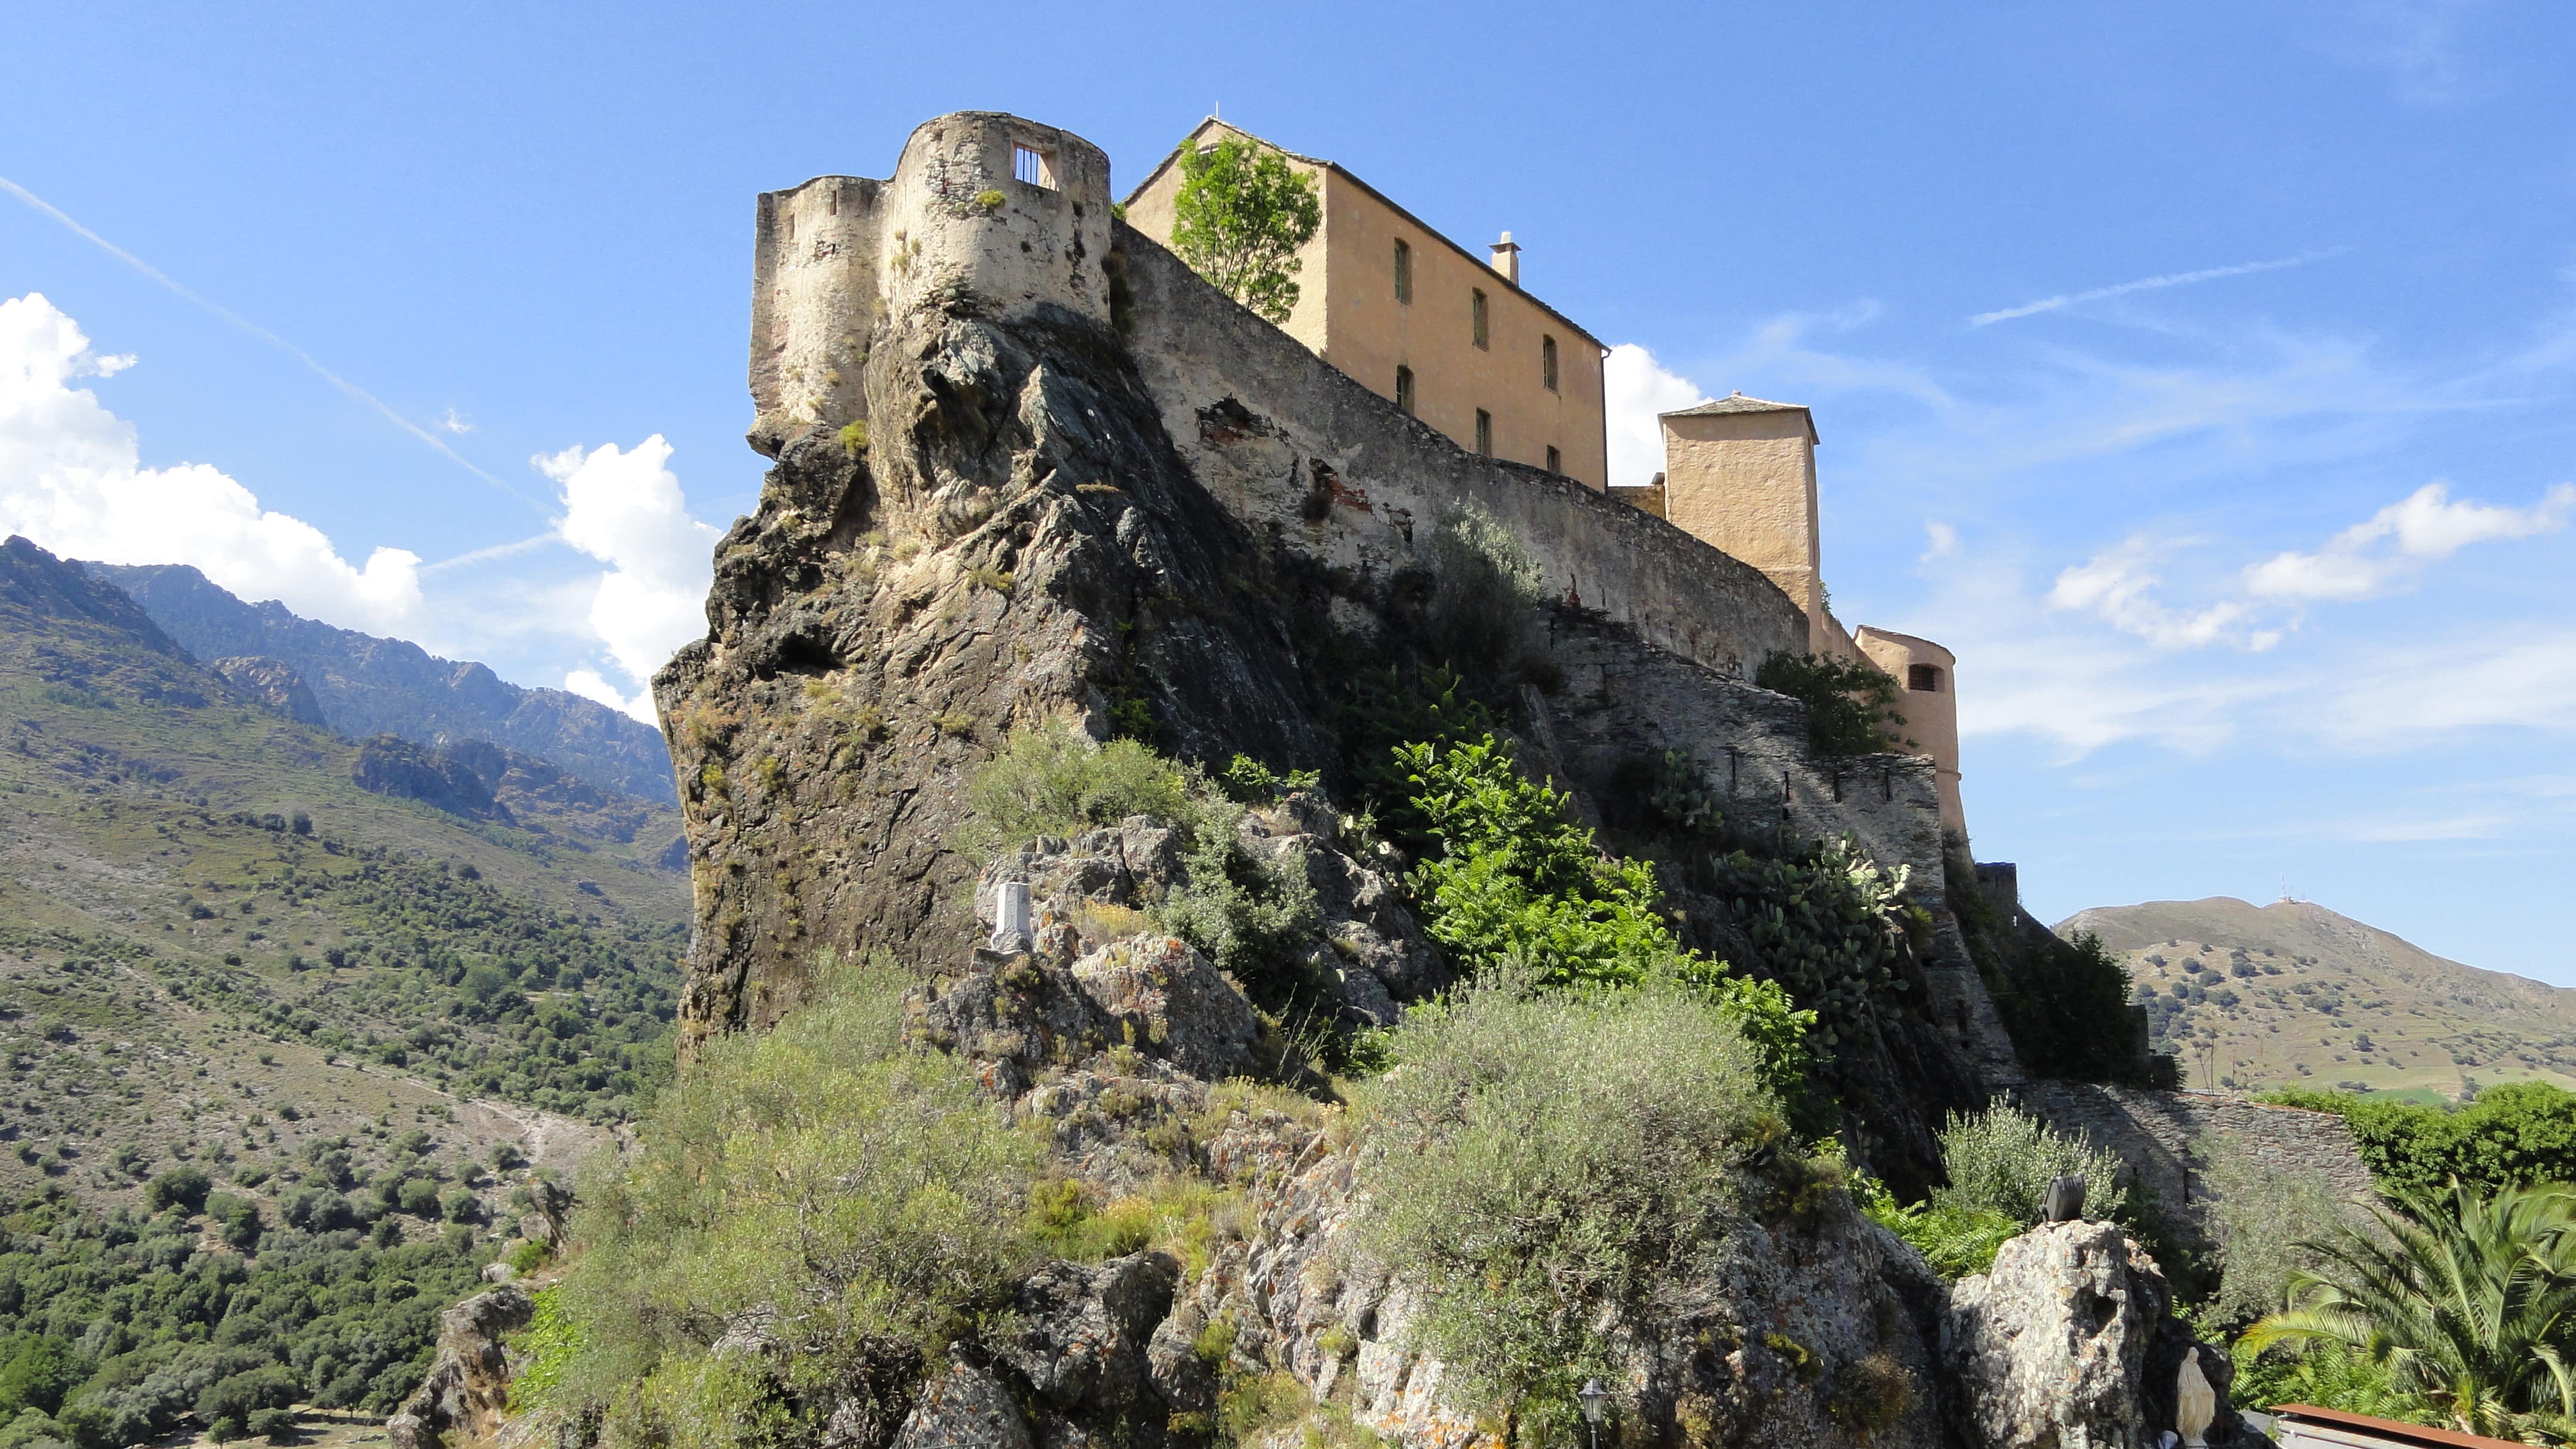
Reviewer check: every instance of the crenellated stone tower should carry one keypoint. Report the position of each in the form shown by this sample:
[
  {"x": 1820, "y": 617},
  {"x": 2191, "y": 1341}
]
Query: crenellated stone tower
[{"x": 1011, "y": 212}]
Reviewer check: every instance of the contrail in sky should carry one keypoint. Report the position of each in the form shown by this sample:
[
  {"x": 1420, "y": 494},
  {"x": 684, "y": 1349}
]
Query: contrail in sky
[
  {"x": 2148, "y": 284},
  {"x": 263, "y": 334}
]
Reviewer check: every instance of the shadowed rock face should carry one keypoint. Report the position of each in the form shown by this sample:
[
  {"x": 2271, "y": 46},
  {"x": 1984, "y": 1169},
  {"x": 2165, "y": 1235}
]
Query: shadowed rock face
[{"x": 1019, "y": 541}]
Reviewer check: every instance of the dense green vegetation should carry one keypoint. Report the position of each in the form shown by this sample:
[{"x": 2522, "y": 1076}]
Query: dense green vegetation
[
  {"x": 116, "y": 1326},
  {"x": 1851, "y": 704},
  {"x": 1546, "y": 1157},
  {"x": 2466, "y": 1300},
  {"x": 2000, "y": 1164},
  {"x": 1514, "y": 884},
  {"x": 818, "y": 1185},
  {"x": 2064, "y": 1003},
  {"x": 2511, "y": 1136}
]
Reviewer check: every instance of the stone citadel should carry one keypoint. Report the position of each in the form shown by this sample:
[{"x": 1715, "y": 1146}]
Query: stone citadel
[{"x": 1391, "y": 303}]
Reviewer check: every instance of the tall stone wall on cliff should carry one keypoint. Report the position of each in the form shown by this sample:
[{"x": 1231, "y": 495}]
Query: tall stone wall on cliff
[{"x": 1308, "y": 456}]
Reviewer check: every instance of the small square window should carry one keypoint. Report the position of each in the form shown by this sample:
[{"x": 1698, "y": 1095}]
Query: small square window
[
  {"x": 1033, "y": 166},
  {"x": 1555, "y": 461},
  {"x": 1484, "y": 433},
  {"x": 1547, "y": 362},
  {"x": 1484, "y": 333},
  {"x": 1403, "y": 273},
  {"x": 1404, "y": 386},
  {"x": 1923, "y": 678}
]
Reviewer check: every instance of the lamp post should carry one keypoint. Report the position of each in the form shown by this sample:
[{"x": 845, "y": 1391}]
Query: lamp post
[{"x": 1590, "y": 1396}]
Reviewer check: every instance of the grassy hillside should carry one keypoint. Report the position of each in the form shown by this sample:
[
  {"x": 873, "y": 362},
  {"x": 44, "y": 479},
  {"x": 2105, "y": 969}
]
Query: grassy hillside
[
  {"x": 2292, "y": 994},
  {"x": 215, "y": 949}
]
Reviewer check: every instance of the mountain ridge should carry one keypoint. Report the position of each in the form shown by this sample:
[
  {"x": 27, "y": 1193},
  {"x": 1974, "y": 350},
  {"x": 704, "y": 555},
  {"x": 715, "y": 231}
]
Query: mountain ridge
[
  {"x": 367, "y": 685},
  {"x": 2294, "y": 993}
]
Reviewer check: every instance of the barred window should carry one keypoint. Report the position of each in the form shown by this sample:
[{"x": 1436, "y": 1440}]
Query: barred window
[{"x": 1925, "y": 678}]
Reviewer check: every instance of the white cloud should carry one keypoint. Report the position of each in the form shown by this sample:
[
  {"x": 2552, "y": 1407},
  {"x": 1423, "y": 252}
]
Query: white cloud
[
  {"x": 1636, "y": 388},
  {"x": 71, "y": 479},
  {"x": 2117, "y": 586},
  {"x": 2389, "y": 549},
  {"x": 625, "y": 509},
  {"x": 1940, "y": 540},
  {"x": 591, "y": 685},
  {"x": 455, "y": 422}
]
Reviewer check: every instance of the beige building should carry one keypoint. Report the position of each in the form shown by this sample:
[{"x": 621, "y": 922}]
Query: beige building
[
  {"x": 1740, "y": 475},
  {"x": 1449, "y": 336}
]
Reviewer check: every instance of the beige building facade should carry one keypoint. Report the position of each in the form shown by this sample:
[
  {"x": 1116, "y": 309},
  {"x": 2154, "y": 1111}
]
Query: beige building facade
[
  {"x": 1451, "y": 337},
  {"x": 1740, "y": 475}
]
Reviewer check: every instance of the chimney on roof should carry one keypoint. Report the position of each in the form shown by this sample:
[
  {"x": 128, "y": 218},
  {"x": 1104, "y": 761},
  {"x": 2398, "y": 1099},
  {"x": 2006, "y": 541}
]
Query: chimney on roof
[{"x": 1507, "y": 259}]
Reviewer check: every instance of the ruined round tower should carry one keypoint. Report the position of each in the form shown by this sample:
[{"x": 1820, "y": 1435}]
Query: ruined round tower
[{"x": 985, "y": 211}]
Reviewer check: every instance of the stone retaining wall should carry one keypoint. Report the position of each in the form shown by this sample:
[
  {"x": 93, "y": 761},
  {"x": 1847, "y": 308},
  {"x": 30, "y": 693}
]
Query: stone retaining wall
[{"x": 2163, "y": 1136}]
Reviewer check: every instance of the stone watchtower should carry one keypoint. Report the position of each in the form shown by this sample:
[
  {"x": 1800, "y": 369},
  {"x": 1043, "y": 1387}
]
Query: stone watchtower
[
  {"x": 981, "y": 204},
  {"x": 1740, "y": 474}
]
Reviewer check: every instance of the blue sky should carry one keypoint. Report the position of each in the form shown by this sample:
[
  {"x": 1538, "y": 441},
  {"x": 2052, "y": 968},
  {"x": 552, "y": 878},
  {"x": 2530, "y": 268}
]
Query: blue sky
[{"x": 2269, "y": 273}]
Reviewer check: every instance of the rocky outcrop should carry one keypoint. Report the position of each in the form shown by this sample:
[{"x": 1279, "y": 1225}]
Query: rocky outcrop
[
  {"x": 391, "y": 765},
  {"x": 468, "y": 1387},
  {"x": 2070, "y": 1339},
  {"x": 482, "y": 781},
  {"x": 274, "y": 684}
]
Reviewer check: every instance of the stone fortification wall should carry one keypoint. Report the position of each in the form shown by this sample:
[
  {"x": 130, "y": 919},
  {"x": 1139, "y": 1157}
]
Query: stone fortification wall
[
  {"x": 813, "y": 298},
  {"x": 1300, "y": 450},
  {"x": 836, "y": 256},
  {"x": 2164, "y": 1136}
]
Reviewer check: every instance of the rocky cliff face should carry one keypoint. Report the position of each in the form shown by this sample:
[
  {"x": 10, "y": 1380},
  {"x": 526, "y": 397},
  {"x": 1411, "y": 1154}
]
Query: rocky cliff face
[
  {"x": 479, "y": 780},
  {"x": 274, "y": 684}
]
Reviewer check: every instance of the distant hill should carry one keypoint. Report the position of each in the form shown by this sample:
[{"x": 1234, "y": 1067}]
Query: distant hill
[
  {"x": 217, "y": 949},
  {"x": 2294, "y": 994},
  {"x": 370, "y": 686}
]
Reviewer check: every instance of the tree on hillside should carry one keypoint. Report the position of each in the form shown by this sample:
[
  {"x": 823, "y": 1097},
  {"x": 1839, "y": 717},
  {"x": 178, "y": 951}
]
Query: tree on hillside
[
  {"x": 1241, "y": 214},
  {"x": 2468, "y": 1301}
]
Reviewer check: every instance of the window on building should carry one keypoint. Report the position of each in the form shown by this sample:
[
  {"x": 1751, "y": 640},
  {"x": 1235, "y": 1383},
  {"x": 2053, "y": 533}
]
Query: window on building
[
  {"x": 1484, "y": 335},
  {"x": 1033, "y": 166},
  {"x": 1547, "y": 362},
  {"x": 1484, "y": 432},
  {"x": 1403, "y": 272},
  {"x": 1404, "y": 388},
  {"x": 1555, "y": 461},
  {"x": 1924, "y": 678}
]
